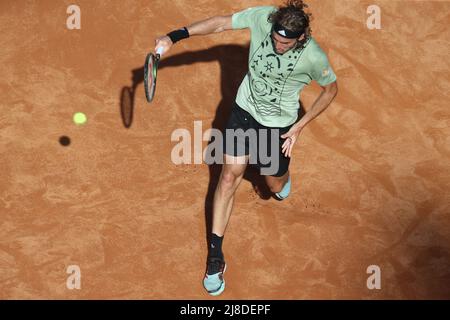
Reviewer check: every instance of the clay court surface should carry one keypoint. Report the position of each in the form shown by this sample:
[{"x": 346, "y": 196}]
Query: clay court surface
[{"x": 371, "y": 176}]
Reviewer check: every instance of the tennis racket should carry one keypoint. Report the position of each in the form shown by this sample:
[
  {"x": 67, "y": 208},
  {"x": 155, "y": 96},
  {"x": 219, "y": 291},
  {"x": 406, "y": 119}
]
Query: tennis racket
[{"x": 150, "y": 73}]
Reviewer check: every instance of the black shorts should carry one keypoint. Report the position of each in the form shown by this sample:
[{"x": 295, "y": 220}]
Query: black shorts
[{"x": 245, "y": 136}]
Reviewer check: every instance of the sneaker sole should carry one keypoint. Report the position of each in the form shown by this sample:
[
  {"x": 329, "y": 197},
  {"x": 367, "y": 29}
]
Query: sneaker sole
[
  {"x": 222, "y": 286},
  {"x": 280, "y": 198},
  {"x": 219, "y": 291}
]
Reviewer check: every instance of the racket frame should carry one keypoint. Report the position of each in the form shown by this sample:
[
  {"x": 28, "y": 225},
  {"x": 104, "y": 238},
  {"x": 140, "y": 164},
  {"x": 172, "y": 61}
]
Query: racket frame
[{"x": 150, "y": 92}]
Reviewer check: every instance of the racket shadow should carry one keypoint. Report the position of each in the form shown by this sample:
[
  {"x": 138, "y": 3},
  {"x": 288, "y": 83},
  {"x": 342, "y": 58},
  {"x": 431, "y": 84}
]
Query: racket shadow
[{"x": 127, "y": 106}]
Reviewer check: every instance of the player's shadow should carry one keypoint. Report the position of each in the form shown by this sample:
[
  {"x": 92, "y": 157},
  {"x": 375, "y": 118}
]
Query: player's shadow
[{"x": 233, "y": 60}]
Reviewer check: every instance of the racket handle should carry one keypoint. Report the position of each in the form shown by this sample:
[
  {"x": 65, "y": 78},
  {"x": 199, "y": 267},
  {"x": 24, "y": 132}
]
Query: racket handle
[{"x": 160, "y": 50}]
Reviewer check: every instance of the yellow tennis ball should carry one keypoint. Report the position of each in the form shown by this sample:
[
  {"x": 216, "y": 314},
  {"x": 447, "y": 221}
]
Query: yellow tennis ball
[{"x": 79, "y": 118}]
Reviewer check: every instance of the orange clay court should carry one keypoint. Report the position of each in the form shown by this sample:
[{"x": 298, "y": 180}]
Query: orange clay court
[{"x": 371, "y": 175}]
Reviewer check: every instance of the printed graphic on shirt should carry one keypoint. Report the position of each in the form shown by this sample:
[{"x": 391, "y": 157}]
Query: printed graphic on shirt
[{"x": 268, "y": 75}]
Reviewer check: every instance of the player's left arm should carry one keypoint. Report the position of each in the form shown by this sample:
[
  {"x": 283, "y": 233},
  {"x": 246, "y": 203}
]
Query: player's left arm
[{"x": 322, "y": 102}]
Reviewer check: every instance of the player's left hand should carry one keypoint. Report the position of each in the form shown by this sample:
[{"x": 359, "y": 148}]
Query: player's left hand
[{"x": 291, "y": 137}]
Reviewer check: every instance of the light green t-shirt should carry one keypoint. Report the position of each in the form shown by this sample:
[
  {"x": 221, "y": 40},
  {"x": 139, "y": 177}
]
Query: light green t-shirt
[{"x": 271, "y": 89}]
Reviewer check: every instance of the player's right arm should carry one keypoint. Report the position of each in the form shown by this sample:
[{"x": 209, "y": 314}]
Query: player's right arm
[{"x": 212, "y": 25}]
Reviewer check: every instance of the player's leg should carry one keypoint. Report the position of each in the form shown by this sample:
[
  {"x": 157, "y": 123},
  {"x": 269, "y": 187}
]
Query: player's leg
[
  {"x": 279, "y": 182},
  {"x": 230, "y": 178},
  {"x": 235, "y": 162}
]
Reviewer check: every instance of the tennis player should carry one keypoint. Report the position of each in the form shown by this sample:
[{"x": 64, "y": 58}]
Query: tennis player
[{"x": 283, "y": 58}]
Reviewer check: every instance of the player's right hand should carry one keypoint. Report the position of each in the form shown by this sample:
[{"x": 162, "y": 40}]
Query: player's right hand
[{"x": 163, "y": 44}]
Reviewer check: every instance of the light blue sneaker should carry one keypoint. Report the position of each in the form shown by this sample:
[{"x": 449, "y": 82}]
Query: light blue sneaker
[
  {"x": 284, "y": 193},
  {"x": 214, "y": 282}
]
